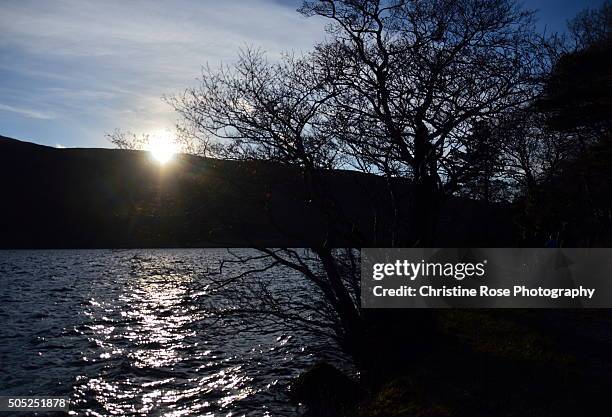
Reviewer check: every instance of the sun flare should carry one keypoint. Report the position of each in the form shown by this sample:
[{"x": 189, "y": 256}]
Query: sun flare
[{"x": 162, "y": 146}]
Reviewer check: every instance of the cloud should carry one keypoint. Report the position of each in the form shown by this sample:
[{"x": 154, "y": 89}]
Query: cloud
[
  {"x": 33, "y": 114},
  {"x": 101, "y": 65}
]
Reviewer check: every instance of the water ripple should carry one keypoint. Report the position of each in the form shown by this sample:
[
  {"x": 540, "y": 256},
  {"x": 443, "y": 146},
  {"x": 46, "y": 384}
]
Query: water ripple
[{"x": 116, "y": 331}]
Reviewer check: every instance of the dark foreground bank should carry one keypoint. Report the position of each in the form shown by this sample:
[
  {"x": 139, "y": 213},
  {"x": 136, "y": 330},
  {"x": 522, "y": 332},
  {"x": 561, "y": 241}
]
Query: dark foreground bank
[{"x": 545, "y": 363}]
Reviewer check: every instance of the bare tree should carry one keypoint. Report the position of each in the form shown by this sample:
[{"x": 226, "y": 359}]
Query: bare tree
[
  {"x": 261, "y": 110},
  {"x": 412, "y": 78},
  {"x": 483, "y": 152},
  {"x": 400, "y": 89},
  {"x": 187, "y": 139},
  {"x": 591, "y": 27},
  {"x": 323, "y": 304},
  {"x": 532, "y": 153},
  {"x": 271, "y": 111},
  {"x": 127, "y": 140}
]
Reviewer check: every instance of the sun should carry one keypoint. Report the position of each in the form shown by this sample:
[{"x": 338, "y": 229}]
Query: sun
[{"x": 162, "y": 146}]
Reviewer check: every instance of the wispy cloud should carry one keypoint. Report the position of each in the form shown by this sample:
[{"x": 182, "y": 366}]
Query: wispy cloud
[
  {"x": 32, "y": 114},
  {"x": 99, "y": 65}
]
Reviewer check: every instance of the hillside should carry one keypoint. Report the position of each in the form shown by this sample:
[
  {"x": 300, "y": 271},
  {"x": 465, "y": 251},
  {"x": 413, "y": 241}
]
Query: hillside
[{"x": 103, "y": 198}]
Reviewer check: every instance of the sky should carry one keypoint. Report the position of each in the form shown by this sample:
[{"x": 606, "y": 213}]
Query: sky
[{"x": 73, "y": 70}]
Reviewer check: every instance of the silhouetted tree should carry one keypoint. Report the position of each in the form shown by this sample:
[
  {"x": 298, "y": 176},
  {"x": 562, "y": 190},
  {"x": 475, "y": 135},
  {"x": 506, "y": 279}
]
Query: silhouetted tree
[
  {"x": 577, "y": 105},
  {"x": 395, "y": 90},
  {"x": 591, "y": 27},
  {"x": 187, "y": 139},
  {"x": 577, "y": 95},
  {"x": 403, "y": 89},
  {"x": 412, "y": 78},
  {"x": 127, "y": 140},
  {"x": 482, "y": 152},
  {"x": 435, "y": 94}
]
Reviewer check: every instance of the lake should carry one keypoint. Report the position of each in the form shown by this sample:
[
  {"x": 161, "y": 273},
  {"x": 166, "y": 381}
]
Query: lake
[{"x": 118, "y": 333}]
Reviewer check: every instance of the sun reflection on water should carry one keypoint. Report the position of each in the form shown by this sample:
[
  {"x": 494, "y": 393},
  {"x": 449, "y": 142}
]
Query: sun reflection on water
[
  {"x": 150, "y": 354},
  {"x": 118, "y": 333}
]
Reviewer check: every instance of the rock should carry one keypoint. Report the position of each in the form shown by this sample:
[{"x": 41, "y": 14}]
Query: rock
[{"x": 325, "y": 391}]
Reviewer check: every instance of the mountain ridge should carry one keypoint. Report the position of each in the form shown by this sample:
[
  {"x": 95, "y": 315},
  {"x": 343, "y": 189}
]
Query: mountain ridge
[{"x": 108, "y": 198}]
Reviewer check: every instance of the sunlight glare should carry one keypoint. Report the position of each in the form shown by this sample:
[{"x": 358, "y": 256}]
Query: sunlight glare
[{"x": 162, "y": 146}]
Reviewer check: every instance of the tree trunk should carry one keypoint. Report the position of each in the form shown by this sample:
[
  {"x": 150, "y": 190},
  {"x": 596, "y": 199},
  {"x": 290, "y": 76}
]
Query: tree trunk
[{"x": 426, "y": 198}]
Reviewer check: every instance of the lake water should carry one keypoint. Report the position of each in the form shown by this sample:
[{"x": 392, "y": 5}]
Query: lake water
[{"x": 117, "y": 333}]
